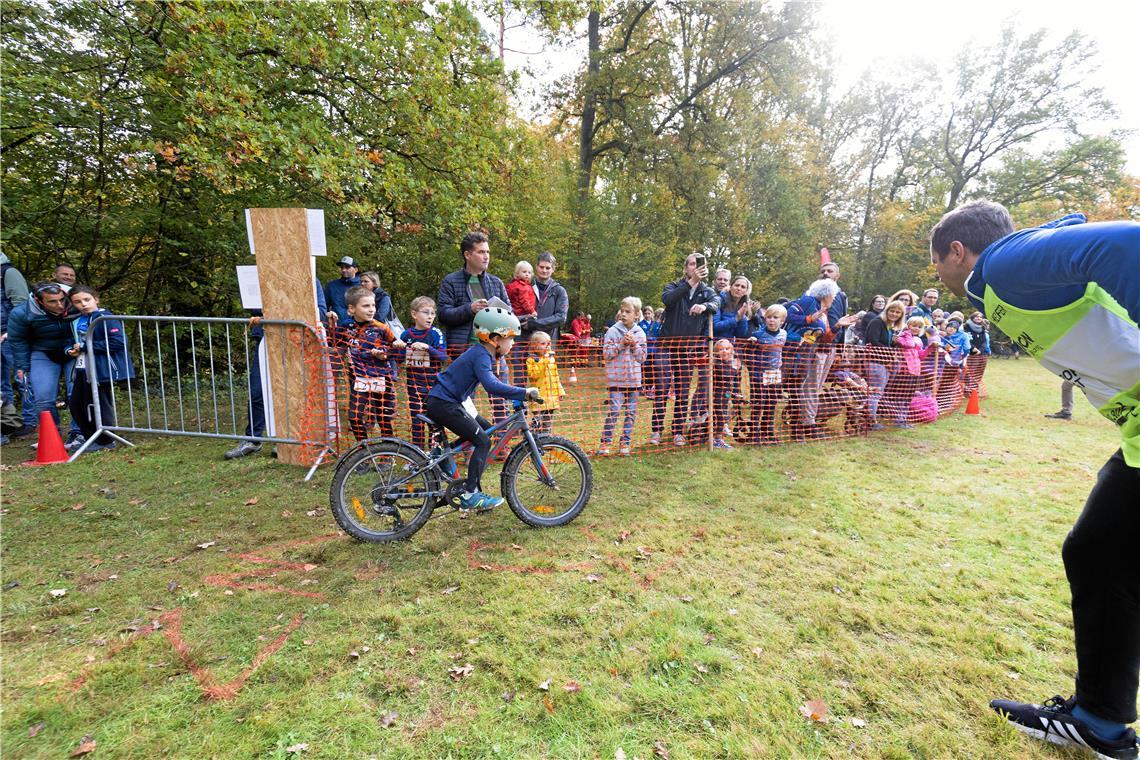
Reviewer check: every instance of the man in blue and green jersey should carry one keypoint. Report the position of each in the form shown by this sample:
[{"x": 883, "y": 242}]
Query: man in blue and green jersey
[{"x": 1068, "y": 293}]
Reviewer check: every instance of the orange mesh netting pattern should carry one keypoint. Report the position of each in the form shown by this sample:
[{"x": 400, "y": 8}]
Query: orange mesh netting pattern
[{"x": 669, "y": 393}]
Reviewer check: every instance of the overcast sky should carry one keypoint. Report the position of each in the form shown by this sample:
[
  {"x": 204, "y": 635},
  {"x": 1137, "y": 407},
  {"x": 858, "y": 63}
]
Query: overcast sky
[{"x": 863, "y": 32}]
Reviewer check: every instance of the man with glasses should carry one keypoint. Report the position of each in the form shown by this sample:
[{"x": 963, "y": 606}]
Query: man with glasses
[
  {"x": 40, "y": 332},
  {"x": 925, "y": 307}
]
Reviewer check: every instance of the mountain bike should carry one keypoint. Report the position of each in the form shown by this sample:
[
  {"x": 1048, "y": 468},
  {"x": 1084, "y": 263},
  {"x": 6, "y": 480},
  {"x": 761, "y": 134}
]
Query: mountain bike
[{"x": 385, "y": 489}]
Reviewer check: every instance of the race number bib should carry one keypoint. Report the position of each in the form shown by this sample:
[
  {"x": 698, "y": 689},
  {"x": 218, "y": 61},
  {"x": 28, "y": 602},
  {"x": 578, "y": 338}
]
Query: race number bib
[
  {"x": 81, "y": 361},
  {"x": 420, "y": 358},
  {"x": 771, "y": 377},
  {"x": 369, "y": 385}
]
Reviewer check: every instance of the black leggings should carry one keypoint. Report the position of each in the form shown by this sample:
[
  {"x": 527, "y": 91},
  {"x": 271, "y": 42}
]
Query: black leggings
[
  {"x": 1104, "y": 578},
  {"x": 452, "y": 417}
]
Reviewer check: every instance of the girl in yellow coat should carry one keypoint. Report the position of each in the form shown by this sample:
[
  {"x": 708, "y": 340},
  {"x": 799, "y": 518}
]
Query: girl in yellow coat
[{"x": 542, "y": 372}]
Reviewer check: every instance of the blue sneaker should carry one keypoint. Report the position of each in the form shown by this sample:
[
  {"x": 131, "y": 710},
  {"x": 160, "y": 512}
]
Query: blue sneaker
[{"x": 479, "y": 501}]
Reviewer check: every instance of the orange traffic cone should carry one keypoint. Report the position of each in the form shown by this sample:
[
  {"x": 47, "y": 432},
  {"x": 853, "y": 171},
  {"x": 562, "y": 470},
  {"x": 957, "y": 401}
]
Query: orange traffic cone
[
  {"x": 50, "y": 449},
  {"x": 972, "y": 406}
]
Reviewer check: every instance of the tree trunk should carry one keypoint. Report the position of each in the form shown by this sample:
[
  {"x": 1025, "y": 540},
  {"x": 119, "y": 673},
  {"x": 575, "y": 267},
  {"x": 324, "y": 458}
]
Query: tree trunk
[{"x": 586, "y": 146}]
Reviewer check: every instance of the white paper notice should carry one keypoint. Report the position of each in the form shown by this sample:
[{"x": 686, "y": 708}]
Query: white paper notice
[
  {"x": 249, "y": 287},
  {"x": 249, "y": 232},
  {"x": 315, "y": 221}
]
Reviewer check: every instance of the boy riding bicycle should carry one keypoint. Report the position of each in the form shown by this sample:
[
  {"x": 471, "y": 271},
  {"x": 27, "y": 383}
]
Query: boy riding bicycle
[{"x": 496, "y": 330}]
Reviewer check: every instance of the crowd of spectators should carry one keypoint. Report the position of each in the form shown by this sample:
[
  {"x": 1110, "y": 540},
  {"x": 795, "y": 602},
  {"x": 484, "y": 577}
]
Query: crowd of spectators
[{"x": 789, "y": 350}]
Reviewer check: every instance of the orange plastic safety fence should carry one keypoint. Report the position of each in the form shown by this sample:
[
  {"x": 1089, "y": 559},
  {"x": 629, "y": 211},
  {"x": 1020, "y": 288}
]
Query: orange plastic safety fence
[{"x": 632, "y": 396}]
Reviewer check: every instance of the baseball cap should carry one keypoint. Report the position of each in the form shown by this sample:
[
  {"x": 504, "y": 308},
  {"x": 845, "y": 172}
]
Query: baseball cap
[{"x": 346, "y": 261}]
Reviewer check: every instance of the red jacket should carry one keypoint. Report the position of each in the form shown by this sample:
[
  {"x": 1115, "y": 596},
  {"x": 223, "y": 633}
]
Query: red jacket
[{"x": 522, "y": 297}]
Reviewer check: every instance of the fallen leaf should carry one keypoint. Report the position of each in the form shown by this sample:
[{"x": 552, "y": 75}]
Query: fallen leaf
[
  {"x": 621, "y": 539},
  {"x": 250, "y": 503},
  {"x": 296, "y": 749},
  {"x": 843, "y": 684},
  {"x": 207, "y": 545},
  {"x": 354, "y": 655},
  {"x": 286, "y": 513},
  {"x": 78, "y": 507},
  {"x": 508, "y": 696},
  {"x": 516, "y": 547},
  {"x": 701, "y": 668},
  {"x": 757, "y": 651},
  {"x": 229, "y": 592},
  {"x": 814, "y": 709},
  {"x": 545, "y": 685},
  {"x": 413, "y": 651},
  {"x": 661, "y": 750},
  {"x": 171, "y": 586},
  {"x": 733, "y": 611},
  {"x": 459, "y": 672},
  {"x": 312, "y": 513},
  {"x": 308, "y": 642},
  {"x": 86, "y": 745},
  {"x": 548, "y": 703},
  {"x": 686, "y": 598},
  {"x": 572, "y": 687},
  {"x": 858, "y": 723},
  {"x": 619, "y": 754},
  {"x": 449, "y": 590},
  {"x": 592, "y": 578},
  {"x": 472, "y": 642},
  {"x": 36, "y": 729},
  {"x": 58, "y": 592},
  {"x": 388, "y": 719}
]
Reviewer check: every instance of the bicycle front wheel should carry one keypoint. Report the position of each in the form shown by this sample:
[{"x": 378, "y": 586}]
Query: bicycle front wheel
[
  {"x": 380, "y": 492},
  {"x": 553, "y": 498}
]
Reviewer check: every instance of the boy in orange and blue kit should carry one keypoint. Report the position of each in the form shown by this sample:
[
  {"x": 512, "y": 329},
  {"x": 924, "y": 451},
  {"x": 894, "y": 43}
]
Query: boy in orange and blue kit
[{"x": 372, "y": 399}]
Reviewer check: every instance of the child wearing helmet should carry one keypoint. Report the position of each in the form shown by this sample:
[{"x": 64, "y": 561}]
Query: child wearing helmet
[{"x": 496, "y": 329}]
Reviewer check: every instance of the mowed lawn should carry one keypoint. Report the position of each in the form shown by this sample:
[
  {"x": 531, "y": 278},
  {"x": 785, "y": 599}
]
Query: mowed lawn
[{"x": 897, "y": 582}]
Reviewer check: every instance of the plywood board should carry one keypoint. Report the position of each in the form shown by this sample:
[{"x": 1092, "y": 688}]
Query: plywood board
[{"x": 288, "y": 291}]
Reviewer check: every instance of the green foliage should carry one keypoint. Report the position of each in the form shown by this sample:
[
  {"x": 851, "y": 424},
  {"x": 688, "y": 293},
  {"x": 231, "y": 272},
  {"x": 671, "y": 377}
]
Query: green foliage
[{"x": 135, "y": 133}]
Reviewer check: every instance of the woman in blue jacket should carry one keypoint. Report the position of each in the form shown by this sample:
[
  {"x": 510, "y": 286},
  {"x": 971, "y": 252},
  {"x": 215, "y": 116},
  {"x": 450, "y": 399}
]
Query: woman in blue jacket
[{"x": 112, "y": 362}]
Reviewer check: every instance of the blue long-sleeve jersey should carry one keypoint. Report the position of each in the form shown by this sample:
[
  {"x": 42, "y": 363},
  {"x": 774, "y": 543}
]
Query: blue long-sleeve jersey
[{"x": 473, "y": 368}]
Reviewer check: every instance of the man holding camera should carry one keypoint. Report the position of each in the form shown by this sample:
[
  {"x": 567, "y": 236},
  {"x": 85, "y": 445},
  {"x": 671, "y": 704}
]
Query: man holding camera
[{"x": 689, "y": 303}]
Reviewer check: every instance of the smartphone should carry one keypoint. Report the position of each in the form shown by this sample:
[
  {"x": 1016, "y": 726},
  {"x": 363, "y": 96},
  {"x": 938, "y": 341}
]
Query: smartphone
[{"x": 700, "y": 261}]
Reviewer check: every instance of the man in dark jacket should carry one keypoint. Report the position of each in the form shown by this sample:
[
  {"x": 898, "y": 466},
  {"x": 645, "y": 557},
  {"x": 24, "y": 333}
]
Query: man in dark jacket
[
  {"x": 335, "y": 289},
  {"x": 40, "y": 332},
  {"x": 683, "y": 344},
  {"x": 467, "y": 291},
  {"x": 13, "y": 292},
  {"x": 552, "y": 305}
]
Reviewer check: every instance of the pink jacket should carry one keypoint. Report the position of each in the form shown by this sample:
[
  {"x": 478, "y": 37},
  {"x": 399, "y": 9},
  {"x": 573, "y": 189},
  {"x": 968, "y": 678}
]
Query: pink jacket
[{"x": 912, "y": 351}]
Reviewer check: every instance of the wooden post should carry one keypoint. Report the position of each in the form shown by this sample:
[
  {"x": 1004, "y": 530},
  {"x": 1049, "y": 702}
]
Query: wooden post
[{"x": 288, "y": 291}]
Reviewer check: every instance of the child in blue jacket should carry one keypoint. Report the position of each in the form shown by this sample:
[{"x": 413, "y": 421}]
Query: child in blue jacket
[{"x": 112, "y": 362}]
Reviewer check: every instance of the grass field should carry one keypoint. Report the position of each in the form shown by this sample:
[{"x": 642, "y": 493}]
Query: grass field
[{"x": 693, "y": 610}]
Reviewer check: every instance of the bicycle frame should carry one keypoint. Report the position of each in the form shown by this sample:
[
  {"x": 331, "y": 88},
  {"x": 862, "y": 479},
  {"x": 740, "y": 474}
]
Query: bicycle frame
[{"x": 503, "y": 430}]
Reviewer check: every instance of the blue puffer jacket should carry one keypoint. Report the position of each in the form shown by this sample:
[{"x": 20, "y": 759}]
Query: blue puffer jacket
[
  {"x": 454, "y": 304},
  {"x": 109, "y": 339},
  {"x": 30, "y": 328},
  {"x": 727, "y": 325}
]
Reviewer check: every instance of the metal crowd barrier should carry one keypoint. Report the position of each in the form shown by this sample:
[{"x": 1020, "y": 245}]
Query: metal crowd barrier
[{"x": 192, "y": 378}]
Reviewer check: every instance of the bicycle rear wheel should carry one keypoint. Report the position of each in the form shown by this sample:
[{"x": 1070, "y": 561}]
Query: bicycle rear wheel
[
  {"x": 551, "y": 499},
  {"x": 378, "y": 493}
]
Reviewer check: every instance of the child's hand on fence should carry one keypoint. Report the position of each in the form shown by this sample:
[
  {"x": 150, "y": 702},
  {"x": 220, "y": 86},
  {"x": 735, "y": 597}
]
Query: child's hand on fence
[
  {"x": 419, "y": 346},
  {"x": 254, "y": 322},
  {"x": 400, "y": 344},
  {"x": 74, "y": 350}
]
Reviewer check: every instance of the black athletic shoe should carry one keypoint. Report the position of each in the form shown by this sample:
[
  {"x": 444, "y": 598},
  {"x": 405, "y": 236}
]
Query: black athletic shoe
[
  {"x": 1054, "y": 722},
  {"x": 1061, "y": 415}
]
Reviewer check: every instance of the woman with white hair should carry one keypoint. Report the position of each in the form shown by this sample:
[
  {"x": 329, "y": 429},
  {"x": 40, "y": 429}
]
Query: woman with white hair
[{"x": 806, "y": 325}]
